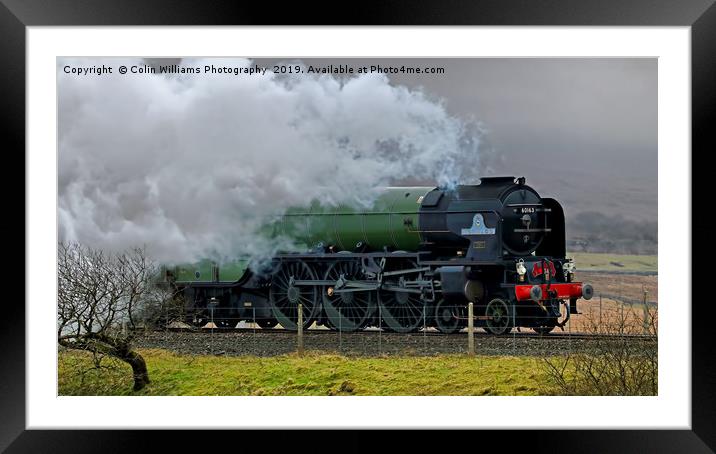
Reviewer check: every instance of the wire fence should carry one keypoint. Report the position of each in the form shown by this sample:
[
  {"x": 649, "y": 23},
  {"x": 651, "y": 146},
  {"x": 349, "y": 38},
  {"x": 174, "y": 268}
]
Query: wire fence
[{"x": 511, "y": 328}]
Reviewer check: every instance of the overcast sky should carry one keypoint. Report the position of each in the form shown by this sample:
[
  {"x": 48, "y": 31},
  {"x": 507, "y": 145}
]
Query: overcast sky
[{"x": 583, "y": 130}]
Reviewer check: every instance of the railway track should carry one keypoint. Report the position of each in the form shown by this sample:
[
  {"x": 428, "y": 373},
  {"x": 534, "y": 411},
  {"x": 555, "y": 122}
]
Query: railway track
[
  {"x": 555, "y": 335},
  {"x": 277, "y": 341}
]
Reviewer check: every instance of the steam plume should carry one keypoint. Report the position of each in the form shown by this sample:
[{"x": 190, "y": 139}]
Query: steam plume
[{"x": 192, "y": 165}]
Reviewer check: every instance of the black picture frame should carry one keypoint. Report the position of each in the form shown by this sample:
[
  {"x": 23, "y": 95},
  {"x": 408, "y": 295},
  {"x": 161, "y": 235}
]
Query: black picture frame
[{"x": 700, "y": 15}]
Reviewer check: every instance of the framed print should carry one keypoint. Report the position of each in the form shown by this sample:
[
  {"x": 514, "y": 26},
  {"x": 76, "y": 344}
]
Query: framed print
[{"x": 448, "y": 219}]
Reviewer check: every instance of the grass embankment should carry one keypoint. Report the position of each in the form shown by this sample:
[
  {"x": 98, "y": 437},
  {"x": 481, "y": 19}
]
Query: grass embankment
[
  {"x": 614, "y": 262},
  {"x": 312, "y": 374}
]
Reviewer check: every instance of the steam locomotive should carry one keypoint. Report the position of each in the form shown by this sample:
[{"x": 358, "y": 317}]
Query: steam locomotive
[{"x": 412, "y": 260}]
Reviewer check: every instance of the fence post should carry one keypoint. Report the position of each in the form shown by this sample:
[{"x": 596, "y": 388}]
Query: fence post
[
  {"x": 300, "y": 329},
  {"x": 380, "y": 329},
  {"x": 514, "y": 325},
  {"x": 470, "y": 331},
  {"x": 425, "y": 325},
  {"x": 645, "y": 311},
  {"x": 599, "y": 329}
]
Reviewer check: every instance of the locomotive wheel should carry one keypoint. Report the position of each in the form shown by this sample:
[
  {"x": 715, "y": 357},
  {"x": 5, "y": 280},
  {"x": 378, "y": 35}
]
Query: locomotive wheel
[
  {"x": 447, "y": 317},
  {"x": 226, "y": 323},
  {"x": 285, "y": 296},
  {"x": 347, "y": 311},
  {"x": 542, "y": 330},
  {"x": 500, "y": 317},
  {"x": 403, "y": 312},
  {"x": 200, "y": 318},
  {"x": 222, "y": 318},
  {"x": 200, "y": 321},
  {"x": 267, "y": 323}
]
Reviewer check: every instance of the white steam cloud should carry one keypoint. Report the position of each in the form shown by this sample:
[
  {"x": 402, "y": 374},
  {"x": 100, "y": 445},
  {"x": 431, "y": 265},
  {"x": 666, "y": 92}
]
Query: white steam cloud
[{"x": 191, "y": 165}]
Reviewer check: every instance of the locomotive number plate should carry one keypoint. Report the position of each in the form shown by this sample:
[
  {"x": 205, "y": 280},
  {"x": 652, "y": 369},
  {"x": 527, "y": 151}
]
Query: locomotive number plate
[{"x": 528, "y": 209}]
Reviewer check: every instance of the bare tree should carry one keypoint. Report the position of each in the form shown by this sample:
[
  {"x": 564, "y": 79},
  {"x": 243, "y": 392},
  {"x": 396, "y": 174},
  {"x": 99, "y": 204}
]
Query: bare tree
[
  {"x": 622, "y": 359},
  {"x": 162, "y": 305},
  {"x": 99, "y": 294}
]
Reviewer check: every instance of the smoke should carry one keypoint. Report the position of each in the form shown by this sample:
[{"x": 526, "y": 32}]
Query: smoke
[{"x": 190, "y": 166}]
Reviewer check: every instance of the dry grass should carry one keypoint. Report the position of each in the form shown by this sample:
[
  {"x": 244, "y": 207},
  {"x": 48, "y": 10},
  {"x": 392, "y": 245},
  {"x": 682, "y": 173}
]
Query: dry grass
[
  {"x": 617, "y": 303},
  {"x": 628, "y": 286},
  {"x": 614, "y": 317}
]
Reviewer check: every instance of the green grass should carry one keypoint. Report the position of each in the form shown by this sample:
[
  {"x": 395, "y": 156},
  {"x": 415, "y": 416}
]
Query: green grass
[
  {"x": 612, "y": 262},
  {"x": 312, "y": 374}
]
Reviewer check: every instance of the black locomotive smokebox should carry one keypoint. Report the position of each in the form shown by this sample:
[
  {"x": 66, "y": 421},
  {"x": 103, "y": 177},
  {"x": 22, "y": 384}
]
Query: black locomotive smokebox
[{"x": 523, "y": 220}]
